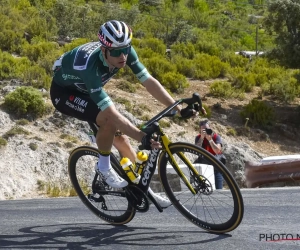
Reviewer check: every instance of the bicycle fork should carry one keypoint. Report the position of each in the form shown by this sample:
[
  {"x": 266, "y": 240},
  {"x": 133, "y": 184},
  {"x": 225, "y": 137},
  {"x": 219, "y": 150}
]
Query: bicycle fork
[{"x": 174, "y": 164}]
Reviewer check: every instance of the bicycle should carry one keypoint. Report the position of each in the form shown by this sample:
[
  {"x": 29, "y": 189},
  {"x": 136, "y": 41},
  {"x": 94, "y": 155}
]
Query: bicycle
[{"x": 188, "y": 185}]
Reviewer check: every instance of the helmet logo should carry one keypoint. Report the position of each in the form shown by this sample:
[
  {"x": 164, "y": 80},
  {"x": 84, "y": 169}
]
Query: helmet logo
[{"x": 103, "y": 41}]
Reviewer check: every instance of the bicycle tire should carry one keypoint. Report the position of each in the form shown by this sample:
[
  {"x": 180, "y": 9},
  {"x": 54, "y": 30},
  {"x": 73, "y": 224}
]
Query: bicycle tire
[
  {"x": 115, "y": 208},
  {"x": 202, "y": 209}
]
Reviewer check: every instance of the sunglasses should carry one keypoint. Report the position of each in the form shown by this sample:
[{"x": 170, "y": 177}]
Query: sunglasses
[{"x": 118, "y": 52}]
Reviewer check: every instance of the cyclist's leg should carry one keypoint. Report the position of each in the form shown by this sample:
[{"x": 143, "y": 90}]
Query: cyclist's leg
[
  {"x": 81, "y": 106},
  {"x": 122, "y": 144}
]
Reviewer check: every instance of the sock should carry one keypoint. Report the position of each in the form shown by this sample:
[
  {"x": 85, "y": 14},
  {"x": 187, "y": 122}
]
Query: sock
[{"x": 104, "y": 161}]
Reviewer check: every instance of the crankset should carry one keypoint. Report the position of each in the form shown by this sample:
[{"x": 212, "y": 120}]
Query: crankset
[{"x": 137, "y": 198}]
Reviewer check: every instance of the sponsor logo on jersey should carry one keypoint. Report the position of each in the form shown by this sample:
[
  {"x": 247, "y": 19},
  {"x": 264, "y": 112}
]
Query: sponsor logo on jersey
[
  {"x": 104, "y": 103},
  {"x": 75, "y": 107},
  {"x": 76, "y": 103},
  {"x": 69, "y": 77},
  {"x": 135, "y": 62},
  {"x": 80, "y": 102},
  {"x": 141, "y": 76},
  {"x": 89, "y": 48},
  {"x": 95, "y": 90}
]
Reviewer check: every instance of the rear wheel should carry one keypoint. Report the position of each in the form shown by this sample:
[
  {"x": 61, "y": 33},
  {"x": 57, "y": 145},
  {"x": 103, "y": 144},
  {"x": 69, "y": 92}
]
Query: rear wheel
[
  {"x": 215, "y": 210},
  {"x": 108, "y": 204}
]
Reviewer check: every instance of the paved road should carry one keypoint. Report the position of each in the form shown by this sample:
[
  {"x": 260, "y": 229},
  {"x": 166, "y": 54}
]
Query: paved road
[{"x": 65, "y": 223}]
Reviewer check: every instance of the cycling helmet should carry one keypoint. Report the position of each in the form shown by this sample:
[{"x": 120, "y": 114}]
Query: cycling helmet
[{"x": 115, "y": 34}]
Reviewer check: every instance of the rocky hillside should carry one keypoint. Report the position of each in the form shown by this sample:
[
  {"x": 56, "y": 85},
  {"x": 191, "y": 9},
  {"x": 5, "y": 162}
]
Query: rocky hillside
[{"x": 36, "y": 160}]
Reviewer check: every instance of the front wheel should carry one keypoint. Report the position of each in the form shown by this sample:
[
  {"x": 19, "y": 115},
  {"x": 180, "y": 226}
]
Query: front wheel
[
  {"x": 215, "y": 210},
  {"x": 110, "y": 205}
]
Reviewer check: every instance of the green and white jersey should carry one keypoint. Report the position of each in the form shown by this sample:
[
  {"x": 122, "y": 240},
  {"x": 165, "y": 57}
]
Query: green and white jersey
[{"x": 85, "y": 70}]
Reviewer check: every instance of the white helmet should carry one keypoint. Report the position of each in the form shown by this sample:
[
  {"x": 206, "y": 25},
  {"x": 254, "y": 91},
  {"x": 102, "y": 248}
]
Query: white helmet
[{"x": 115, "y": 34}]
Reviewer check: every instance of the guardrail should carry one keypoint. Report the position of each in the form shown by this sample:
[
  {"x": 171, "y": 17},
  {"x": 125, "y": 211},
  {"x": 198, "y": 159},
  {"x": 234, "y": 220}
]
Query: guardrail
[
  {"x": 177, "y": 185},
  {"x": 271, "y": 172}
]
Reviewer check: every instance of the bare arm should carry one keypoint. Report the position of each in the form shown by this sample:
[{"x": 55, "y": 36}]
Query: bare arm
[
  {"x": 216, "y": 147},
  {"x": 159, "y": 93}
]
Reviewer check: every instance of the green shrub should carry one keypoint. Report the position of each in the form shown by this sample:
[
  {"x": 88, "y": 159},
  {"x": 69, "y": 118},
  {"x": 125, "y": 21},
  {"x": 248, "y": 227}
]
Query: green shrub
[
  {"x": 3, "y": 142},
  {"x": 38, "y": 138},
  {"x": 208, "y": 67},
  {"x": 234, "y": 60},
  {"x": 286, "y": 88},
  {"x": 69, "y": 138},
  {"x": 10, "y": 40},
  {"x": 68, "y": 144},
  {"x": 259, "y": 114},
  {"x": 154, "y": 44},
  {"x": 175, "y": 82},
  {"x": 41, "y": 185},
  {"x": 126, "y": 86},
  {"x": 37, "y": 77},
  {"x": 8, "y": 66},
  {"x": 33, "y": 146},
  {"x": 184, "y": 50},
  {"x": 25, "y": 100},
  {"x": 145, "y": 117},
  {"x": 231, "y": 132},
  {"x": 39, "y": 50},
  {"x": 147, "y": 53},
  {"x": 127, "y": 75},
  {"x": 208, "y": 111},
  {"x": 46, "y": 62},
  {"x": 245, "y": 82},
  {"x": 208, "y": 47},
  {"x": 158, "y": 66},
  {"x": 164, "y": 124},
  {"x": 184, "y": 66},
  {"x": 15, "y": 131},
  {"x": 75, "y": 43},
  {"x": 125, "y": 102},
  {"x": 225, "y": 90},
  {"x": 22, "y": 122}
]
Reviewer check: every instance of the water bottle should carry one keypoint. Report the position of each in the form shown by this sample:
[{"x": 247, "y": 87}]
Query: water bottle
[
  {"x": 140, "y": 161},
  {"x": 128, "y": 167}
]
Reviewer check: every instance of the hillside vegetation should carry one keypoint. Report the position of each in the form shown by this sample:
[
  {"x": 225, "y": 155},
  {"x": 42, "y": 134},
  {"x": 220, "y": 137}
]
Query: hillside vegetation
[
  {"x": 201, "y": 37},
  {"x": 188, "y": 45}
]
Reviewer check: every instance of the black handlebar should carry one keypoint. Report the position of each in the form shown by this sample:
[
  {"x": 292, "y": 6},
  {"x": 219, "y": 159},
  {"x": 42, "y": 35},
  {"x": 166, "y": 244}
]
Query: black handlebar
[
  {"x": 167, "y": 112},
  {"x": 194, "y": 99}
]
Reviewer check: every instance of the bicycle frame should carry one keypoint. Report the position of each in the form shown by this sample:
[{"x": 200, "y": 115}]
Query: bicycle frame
[
  {"x": 152, "y": 126},
  {"x": 119, "y": 206}
]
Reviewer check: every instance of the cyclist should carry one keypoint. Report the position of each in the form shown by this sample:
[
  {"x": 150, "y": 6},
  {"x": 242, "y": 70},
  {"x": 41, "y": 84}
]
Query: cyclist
[{"x": 77, "y": 91}]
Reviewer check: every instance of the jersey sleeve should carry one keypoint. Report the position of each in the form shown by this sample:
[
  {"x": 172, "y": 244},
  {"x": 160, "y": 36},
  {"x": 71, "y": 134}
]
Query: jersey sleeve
[{"x": 136, "y": 66}]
